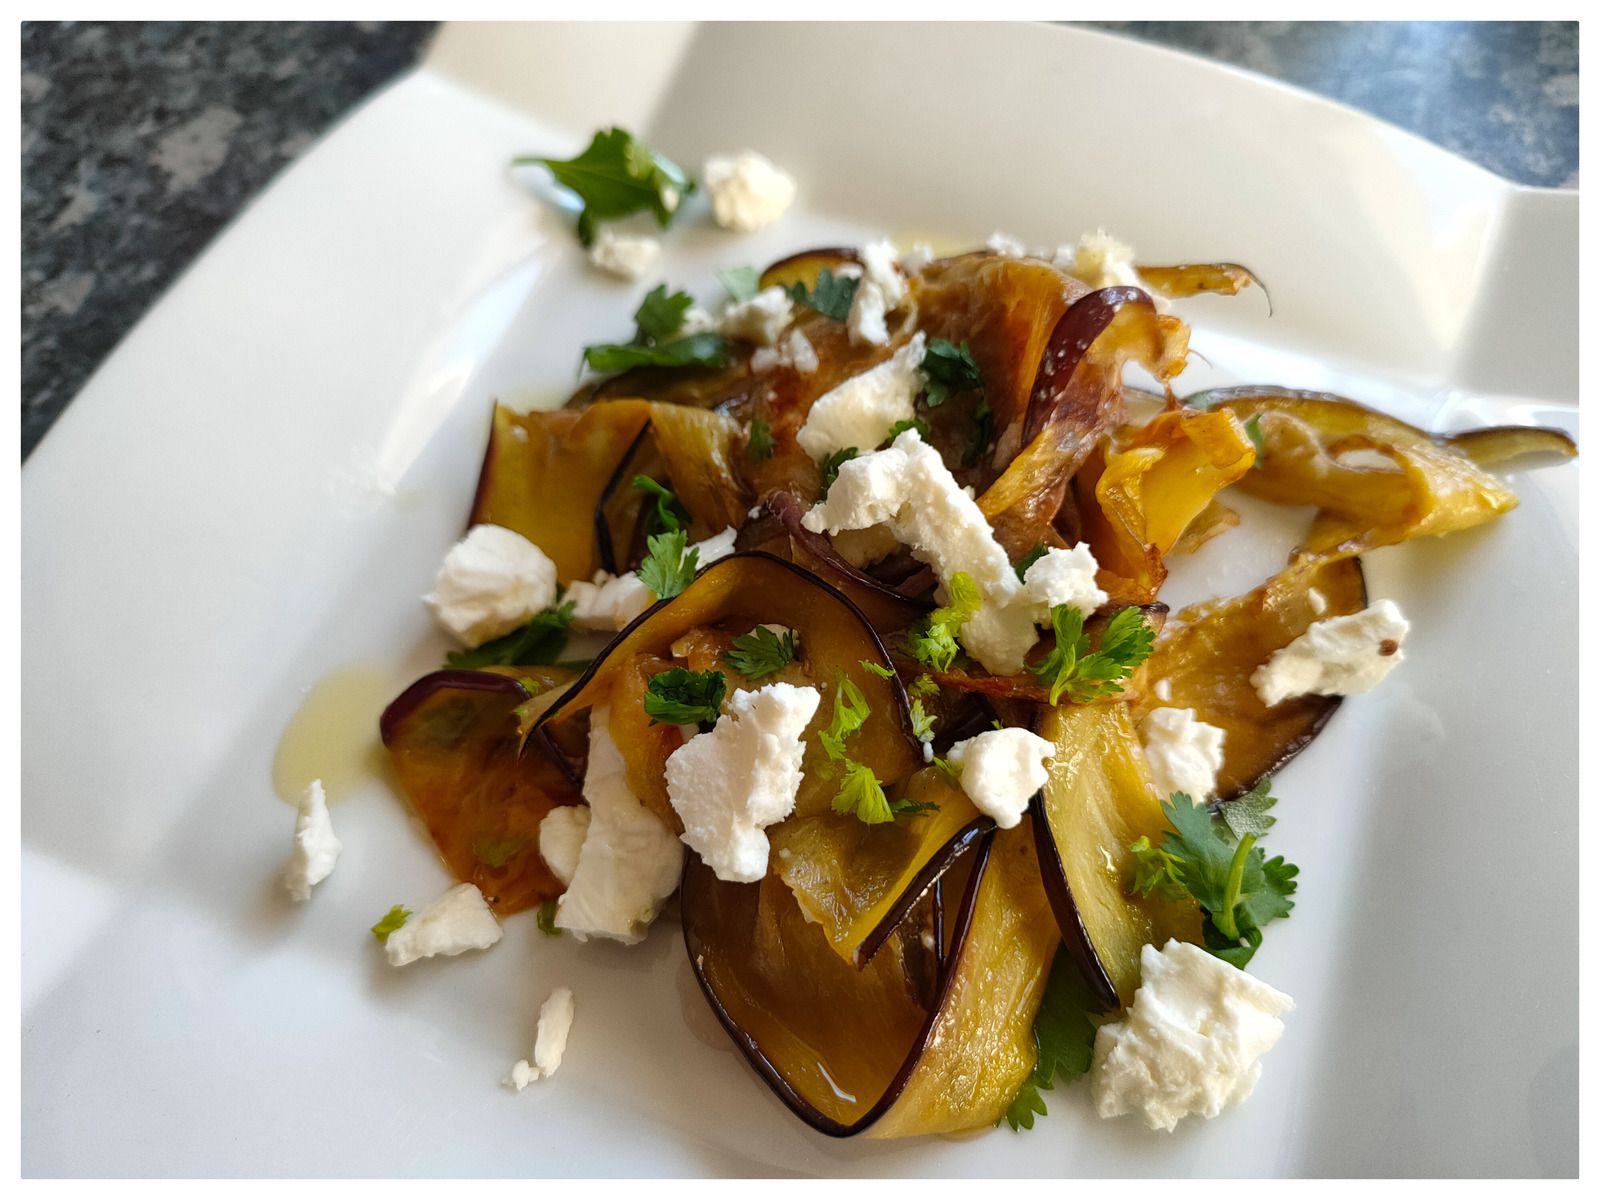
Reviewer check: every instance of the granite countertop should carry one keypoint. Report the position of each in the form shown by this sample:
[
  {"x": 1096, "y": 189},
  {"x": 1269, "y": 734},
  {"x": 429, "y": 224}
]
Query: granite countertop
[{"x": 141, "y": 140}]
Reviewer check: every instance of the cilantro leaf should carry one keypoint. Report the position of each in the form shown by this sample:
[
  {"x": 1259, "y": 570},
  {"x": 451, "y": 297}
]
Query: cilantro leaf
[
  {"x": 1028, "y": 559},
  {"x": 831, "y": 465},
  {"x": 669, "y": 513},
  {"x": 948, "y": 368},
  {"x": 496, "y": 852},
  {"x": 546, "y": 919},
  {"x": 1064, "y": 1037},
  {"x": 760, "y": 652},
  {"x": 1248, "y": 813},
  {"x": 698, "y": 350},
  {"x": 669, "y": 566},
  {"x": 878, "y": 669},
  {"x": 1083, "y": 676},
  {"x": 538, "y": 643},
  {"x": 900, "y": 427},
  {"x": 932, "y": 640},
  {"x": 861, "y": 795},
  {"x": 758, "y": 443},
  {"x": 850, "y": 713},
  {"x": 660, "y": 314},
  {"x": 742, "y": 282},
  {"x": 390, "y": 921},
  {"x": 921, "y": 722},
  {"x": 1252, "y": 428},
  {"x": 832, "y": 296},
  {"x": 913, "y": 808},
  {"x": 617, "y": 176},
  {"x": 923, "y": 685},
  {"x": 682, "y": 697}
]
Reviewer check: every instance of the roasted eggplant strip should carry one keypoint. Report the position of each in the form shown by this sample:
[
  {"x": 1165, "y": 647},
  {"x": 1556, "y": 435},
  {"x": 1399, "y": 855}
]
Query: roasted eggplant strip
[
  {"x": 1503, "y": 443},
  {"x": 887, "y": 607},
  {"x": 1195, "y": 279},
  {"x": 453, "y": 743},
  {"x": 805, "y": 266}
]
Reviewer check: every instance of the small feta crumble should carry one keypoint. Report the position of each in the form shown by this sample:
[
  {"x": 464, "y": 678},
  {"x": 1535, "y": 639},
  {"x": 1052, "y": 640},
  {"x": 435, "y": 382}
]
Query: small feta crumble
[
  {"x": 1318, "y": 602},
  {"x": 760, "y": 319},
  {"x": 1099, "y": 261},
  {"x": 1340, "y": 656},
  {"x": 882, "y": 289},
  {"x": 718, "y": 545},
  {"x": 549, "y": 1043},
  {"x": 880, "y": 265},
  {"x": 729, "y": 784},
  {"x": 696, "y": 319},
  {"x": 916, "y": 258},
  {"x": 796, "y": 351},
  {"x": 623, "y": 256},
  {"x": 630, "y": 861},
  {"x": 561, "y": 835},
  {"x": 1184, "y": 754},
  {"x": 1191, "y": 1041},
  {"x": 316, "y": 850},
  {"x": 1001, "y": 770},
  {"x": 1064, "y": 577},
  {"x": 1163, "y": 690},
  {"x": 867, "y": 322},
  {"x": 1006, "y": 244},
  {"x": 609, "y": 602},
  {"x": 747, "y": 191},
  {"x": 491, "y": 581},
  {"x": 861, "y": 410},
  {"x": 457, "y": 921}
]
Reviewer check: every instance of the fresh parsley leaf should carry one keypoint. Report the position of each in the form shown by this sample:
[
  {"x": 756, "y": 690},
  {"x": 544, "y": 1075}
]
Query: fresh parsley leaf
[
  {"x": 850, "y": 713},
  {"x": 932, "y": 640},
  {"x": 861, "y": 795},
  {"x": 831, "y": 465},
  {"x": 1064, "y": 1037},
  {"x": 546, "y": 919},
  {"x": 669, "y": 566},
  {"x": 832, "y": 296},
  {"x": 617, "y": 176},
  {"x": 1252, "y": 427},
  {"x": 922, "y": 722},
  {"x": 669, "y": 513},
  {"x": 982, "y": 434},
  {"x": 878, "y": 669},
  {"x": 538, "y": 643},
  {"x": 913, "y": 808},
  {"x": 1028, "y": 559},
  {"x": 1070, "y": 667},
  {"x": 951, "y": 771},
  {"x": 948, "y": 368},
  {"x": 900, "y": 427},
  {"x": 1248, "y": 813},
  {"x": 698, "y": 350},
  {"x": 760, "y": 652},
  {"x": 923, "y": 685},
  {"x": 742, "y": 282},
  {"x": 390, "y": 921},
  {"x": 660, "y": 314},
  {"x": 496, "y": 852},
  {"x": 758, "y": 444},
  {"x": 682, "y": 697}
]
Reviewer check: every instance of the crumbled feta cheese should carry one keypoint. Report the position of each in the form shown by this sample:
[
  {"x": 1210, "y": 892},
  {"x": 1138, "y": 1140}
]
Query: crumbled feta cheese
[
  {"x": 1001, "y": 769},
  {"x": 908, "y": 488},
  {"x": 880, "y": 265},
  {"x": 623, "y": 256},
  {"x": 1191, "y": 1041},
  {"x": 867, "y": 322},
  {"x": 729, "y": 784},
  {"x": 861, "y": 410},
  {"x": 747, "y": 191},
  {"x": 759, "y": 319},
  {"x": 1099, "y": 261},
  {"x": 630, "y": 860},
  {"x": 457, "y": 921},
  {"x": 1004, "y": 243},
  {"x": 610, "y": 602},
  {"x": 1163, "y": 690},
  {"x": 718, "y": 545},
  {"x": 491, "y": 581},
  {"x": 1339, "y": 656},
  {"x": 315, "y": 850},
  {"x": 561, "y": 835},
  {"x": 696, "y": 319},
  {"x": 549, "y": 1043},
  {"x": 1184, "y": 754},
  {"x": 1318, "y": 602},
  {"x": 919, "y": 256},
  {"x": 795, "y": 351},
  {"x": 1064, "y": 577}
]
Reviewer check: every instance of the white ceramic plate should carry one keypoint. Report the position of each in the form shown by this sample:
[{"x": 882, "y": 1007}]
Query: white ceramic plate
[{"x": 251, "y": 493}]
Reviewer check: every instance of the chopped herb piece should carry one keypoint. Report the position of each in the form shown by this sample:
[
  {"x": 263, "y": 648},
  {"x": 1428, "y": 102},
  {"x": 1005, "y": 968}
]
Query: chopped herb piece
[
  {"x": 951, "y": 771},
  {"x": 922, "y": 722},
  {"x": 617, "y": 176},
  {"x": 759, "y": 445},
  {"x": 390, "y": 921},
  {"x": 660, "y": 314},
  {"x": 900, "y": 427},
  {"x": 932, "y": 641},
  {"x": 1064, "y": 1036},
  {"x": 537, "y": 644},
  {"x": 831, "y": 465},
  {"x": 496, "y": 852},
  {"x": 832, "y": 296},
  {"x": 1084, "y": 676},
  {"x": 668, "y": 513},
  {"x": 850, "y": 713},
  {"x": 670, "y": 565},
  {"x": 1248, "y": 813},
  {"x": 924, "y": 685},
  {"x": 1028, "y": 559},
  {"x": 878, "y": 669},
  {"x": 948, "y": 368},
  {"x": 913, "y": 808},
  {"x": 682, "y": 697},
  {"x": 700, "y": 350},
  {"x": 742, "y": 282},
  {"x": 546, "y": 919},
  {"x": 1252, "y": 427},
  {"x": 760, "y": 652},
  {"x": 861, "y": 795}
]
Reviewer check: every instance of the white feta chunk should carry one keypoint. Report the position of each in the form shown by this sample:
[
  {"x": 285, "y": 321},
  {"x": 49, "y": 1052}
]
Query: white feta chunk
[
  {"x": 718, "y": 545},
  {"x": 549, "y": 1043},
  {"x": 1099, "y": 261},
  {"x": 316, "y": 849},
  {"x": 1339, "y": 656},
  {"x": 1184, "y": 754},
  {"x": 1318, "y": 602},
  {"x": 880, "y": 265},
  {"x": 1163, "y": 690},
  {"x": 623, "y": 256},
  {"x": 795, "y": 351},
  {"x": 867, "y": 321},
  {"x": 1001, "y": 770},
  {"x": 696, "y": 319},
  {"x": 914, "y": 259},
  {"x": 747, "y": 191},
  {"x": 491, "y": 581},
  {"x": 561, "y": 835},
  {"x": 457, "y": 921},
  {"x": 630, "y": 860},
  {"x": 1191, "y": 1041},
  {"x": 729, "y": 784},
  {"x": 760, "y": 319},
  {"x": 861, "y": 410},
  {"x": 1064, "y": 577},
  {"x": 609, "y": 602},
  {"x": 1006, "y": 244}
]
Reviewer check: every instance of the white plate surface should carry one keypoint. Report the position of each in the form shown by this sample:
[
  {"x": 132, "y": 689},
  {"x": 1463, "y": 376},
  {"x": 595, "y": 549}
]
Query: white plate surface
[{"x": 255, "y": 488}]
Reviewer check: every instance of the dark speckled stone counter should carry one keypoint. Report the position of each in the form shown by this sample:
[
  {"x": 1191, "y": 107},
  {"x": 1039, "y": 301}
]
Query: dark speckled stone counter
[{"x": 140, "y": 141}]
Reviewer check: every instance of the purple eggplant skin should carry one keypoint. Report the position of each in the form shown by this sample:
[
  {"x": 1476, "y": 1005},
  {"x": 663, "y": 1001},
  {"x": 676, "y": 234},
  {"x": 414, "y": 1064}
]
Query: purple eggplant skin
[
  {"x": 698, "y": 877},
  {"x": 924, "y": 881},
  {"x": 621, "y": 475},
  {"x": 408, "y": 701},
  {"x": 1074, "y": 333},
  {"x": 1074, "y": 937},
  {"x": 789, "y": 510}
]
